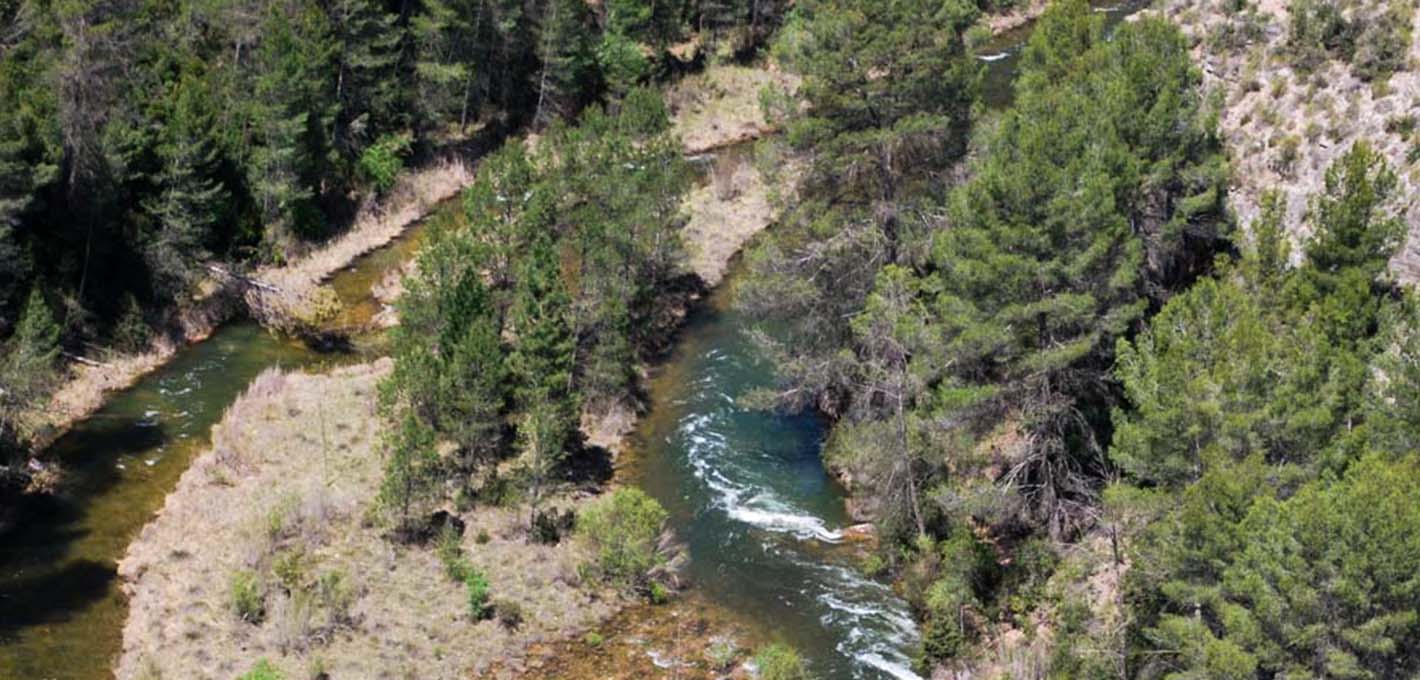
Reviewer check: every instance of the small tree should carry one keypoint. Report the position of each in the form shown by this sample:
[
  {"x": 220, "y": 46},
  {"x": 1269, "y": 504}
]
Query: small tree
[
  {"x": 408, "y": 467},
  {"x": 27, "y": 369},
  {"x": 624, "y": 527}
]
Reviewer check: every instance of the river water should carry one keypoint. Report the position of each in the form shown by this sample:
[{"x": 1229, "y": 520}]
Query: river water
[
  {"x": 61, "y": 612},
  {"x": 746, "y": 489},
  {"x": 748, "y": 494}
]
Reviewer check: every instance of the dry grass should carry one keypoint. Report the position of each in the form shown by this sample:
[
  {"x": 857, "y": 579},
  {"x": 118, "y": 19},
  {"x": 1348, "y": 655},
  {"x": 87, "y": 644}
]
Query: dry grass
[
  {"x": 86, "y": 388},
  {"x": 1262, "y": 112},
  {"x": 293, "y": 470},
  {"x": 413, "y": 197},
  {"x": 720, "y": 106}
]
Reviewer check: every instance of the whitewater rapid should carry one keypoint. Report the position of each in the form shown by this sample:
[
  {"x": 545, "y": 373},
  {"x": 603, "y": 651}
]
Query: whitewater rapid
[{"x": 750, "y": 484}]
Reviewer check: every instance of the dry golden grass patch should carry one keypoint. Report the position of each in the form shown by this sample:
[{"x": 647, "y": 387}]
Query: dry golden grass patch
[
  {"x": 284, "y": 496},
  {"x": 720, "y": 106}
]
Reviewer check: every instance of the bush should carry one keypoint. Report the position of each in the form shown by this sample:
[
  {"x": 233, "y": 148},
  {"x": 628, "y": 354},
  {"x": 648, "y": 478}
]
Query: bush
[
  {"x": 477, "y": 585},
  {"x": 450, "y": 551},
  {"x": 248, "y": 597},
  {"x": 780, "y": 662},
  {"x": 624, "y": 527},
  {"x": 593, "y": 639},
  {"x": 721, "y": 653},
  {"x": 291, "y": 568},
  {"x": 336, "y": 596},
  {"x": 263, "y": 670},
  {"x": 382, "y": 162},
  {"x": 509, "y": 613}
]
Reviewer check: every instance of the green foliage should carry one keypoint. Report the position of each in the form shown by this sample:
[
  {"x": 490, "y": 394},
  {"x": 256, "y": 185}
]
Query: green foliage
[
  {"x": 1262, "y": 385},
  {"x": 880, "y": 76},
  {"x": 540, "y": 302},
  {"x": 778, "y": 661},
  {"x": 382, "y": 161},
  {"x": 140, "y": 140},
  {"x": 248, "y": 596},
  {"x": 1320, "y": 584},
  {"x": 1374, "y": 41},
  {"x": 624, "y": 527},
  {"x": 263, "y": 670},
  {"x": 27, "y": 374},
  {"x": 476, "y": 585}
]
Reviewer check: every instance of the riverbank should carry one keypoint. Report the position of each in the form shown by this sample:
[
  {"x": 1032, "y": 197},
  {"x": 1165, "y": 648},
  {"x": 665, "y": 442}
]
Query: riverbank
[
  {"x": 90, "y": 384},
  {"x": 284, "y": 494},
  {"x": 180, "y": 619}
]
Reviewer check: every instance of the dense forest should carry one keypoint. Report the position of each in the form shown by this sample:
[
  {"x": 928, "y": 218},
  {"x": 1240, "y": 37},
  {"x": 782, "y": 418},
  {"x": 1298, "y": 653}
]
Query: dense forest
[
  {"x": 1035, "y": 333},
  {"x": 1069, "y": 338},
  {"x": 141, "y": 140}
]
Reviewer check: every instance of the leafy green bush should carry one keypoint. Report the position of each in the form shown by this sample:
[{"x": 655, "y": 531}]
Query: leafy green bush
[
  {"x": 248, "y": 596},
  {"x": 477, "y": 585},
  {"x": 624, "y": 526},
  {"x": 263, "y": 670},
  {"x": 382, "y": 162},
  {"x": 780, "y": 662}
]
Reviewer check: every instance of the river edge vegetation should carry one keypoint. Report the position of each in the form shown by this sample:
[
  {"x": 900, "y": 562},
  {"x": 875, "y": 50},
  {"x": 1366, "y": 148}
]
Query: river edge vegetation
[
  {"x": 154, "y": 138},
  {"x": 1057, "y": 342},
  {"x": 1105, "y": 432}
]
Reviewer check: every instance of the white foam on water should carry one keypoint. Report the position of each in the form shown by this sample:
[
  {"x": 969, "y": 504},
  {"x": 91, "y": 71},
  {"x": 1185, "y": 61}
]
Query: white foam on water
[
  {"x": 872, "y": 624},
  {"x": 897, "y": 669},
  {"x": 993, "y": 57}
]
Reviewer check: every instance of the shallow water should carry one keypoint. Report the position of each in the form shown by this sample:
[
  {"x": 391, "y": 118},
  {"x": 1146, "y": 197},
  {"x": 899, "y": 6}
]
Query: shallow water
[
  {"x": 746, "y": 489},
  {"x": 747, "y": 492},
  {"x": 61, "y": 611}
]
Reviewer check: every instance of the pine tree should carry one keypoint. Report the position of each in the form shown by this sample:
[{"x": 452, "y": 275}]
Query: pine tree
[
  {"x": 367, "y": 86},
  {"x": 470, "y": 394},
  {"x": 292, "y": 109},
  {"x": 191, "y": 201},
  {"x": 27, "y": 368},
  {"x": 542, "y": 364},
  {"x": 448, "y": 36},
  {"x": 565, "y": 50}
]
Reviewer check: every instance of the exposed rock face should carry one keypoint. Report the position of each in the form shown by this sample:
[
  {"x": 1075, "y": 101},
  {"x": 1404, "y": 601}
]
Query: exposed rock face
[{"x": 1283, "y": 126}]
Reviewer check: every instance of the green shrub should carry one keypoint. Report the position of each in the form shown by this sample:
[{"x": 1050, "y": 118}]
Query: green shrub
[
  {"x": 382, "y": 162},
  {"x": 291, "y": 568},
  {"x": 477, "y": 585},
  {"x": 248, "y": 597},
  {"x": 263, "y": 670},
  {"x": 780, "y": 662},
  {"x": 449, "y": 548},
  {"x": 593, "y": 639},
  {"x": 624, "y": 527},
  {"x": 336, "y": 596},
  {"x": 658, "y": 593},
  {"x": 482, "y": 538}
]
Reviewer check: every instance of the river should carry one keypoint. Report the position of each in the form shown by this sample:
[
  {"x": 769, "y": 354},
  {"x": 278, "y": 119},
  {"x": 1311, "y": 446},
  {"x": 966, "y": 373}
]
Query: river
[
  {"x": 746, "y": 489},
  {"x": 61, "y": 610}
]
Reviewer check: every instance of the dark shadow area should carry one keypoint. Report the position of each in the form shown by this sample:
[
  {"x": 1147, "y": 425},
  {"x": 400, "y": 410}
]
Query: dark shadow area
[{"x": 45, "y": 598}]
